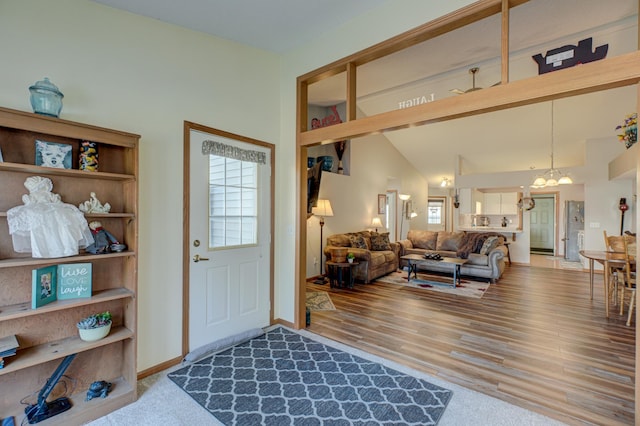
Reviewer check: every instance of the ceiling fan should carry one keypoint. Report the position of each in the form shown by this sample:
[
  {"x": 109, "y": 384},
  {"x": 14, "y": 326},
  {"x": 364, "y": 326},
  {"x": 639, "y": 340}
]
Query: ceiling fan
[{"x": 473, "y": 71}]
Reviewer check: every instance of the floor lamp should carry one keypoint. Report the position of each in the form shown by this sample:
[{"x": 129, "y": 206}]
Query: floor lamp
[
  {"x": 404, "y": 198},
  {"x": 322, "y": 209}
]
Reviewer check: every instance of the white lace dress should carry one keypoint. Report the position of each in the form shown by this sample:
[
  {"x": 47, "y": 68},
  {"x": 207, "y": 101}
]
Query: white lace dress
[{"x": 44, "y": 225}]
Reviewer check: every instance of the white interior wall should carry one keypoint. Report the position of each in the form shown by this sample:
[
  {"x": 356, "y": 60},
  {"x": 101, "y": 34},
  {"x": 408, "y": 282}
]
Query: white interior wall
[
  {"x": 140, "y": 75},
  {"x": 143, "y": 76},
  {"x": 354, "y": 198},
  {"x": 602, "y": 197}
]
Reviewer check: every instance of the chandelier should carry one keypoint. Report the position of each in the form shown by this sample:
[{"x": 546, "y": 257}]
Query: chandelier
[{"x": 553, "y": 176}]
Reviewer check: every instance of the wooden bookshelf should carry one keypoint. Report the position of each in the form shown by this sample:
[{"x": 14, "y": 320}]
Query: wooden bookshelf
[{"x": 47, "y": 334}]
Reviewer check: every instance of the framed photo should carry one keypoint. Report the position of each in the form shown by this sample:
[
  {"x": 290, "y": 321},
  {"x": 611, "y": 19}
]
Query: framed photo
[
  {"x": 43, "y": 286},
  {"x": 408, "y": 209},
  {"x": 382, "y": 203},
  {"x": 51, "y": 154}
]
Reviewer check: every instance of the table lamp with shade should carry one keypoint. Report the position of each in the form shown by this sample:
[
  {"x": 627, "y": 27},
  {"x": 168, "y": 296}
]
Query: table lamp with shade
[
  {"x": 376, "y": 223},
  {"x": 322, "y": 209}
]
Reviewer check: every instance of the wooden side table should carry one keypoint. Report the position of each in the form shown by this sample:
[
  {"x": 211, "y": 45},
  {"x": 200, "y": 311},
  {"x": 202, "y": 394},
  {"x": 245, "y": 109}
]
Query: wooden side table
[{"x": 340, "y": 273}]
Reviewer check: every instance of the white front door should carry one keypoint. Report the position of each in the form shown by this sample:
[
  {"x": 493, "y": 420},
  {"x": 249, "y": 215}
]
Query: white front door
[{"x": 229, "y": 238}]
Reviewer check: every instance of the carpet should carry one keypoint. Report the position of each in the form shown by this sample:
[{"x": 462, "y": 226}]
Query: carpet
[
  {"x": 284, "y": 378},
  {"x": 319, "y": 301},
  {"x": 466, "y": 288}
]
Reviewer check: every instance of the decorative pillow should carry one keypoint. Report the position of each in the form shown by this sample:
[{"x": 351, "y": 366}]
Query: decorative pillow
[
  {"x": 423, "y": 239},
  {"x": 380, "y": 242},
  {"x": 489, "y": 244},
  {"x": 358, "y": 241},
  {"x": 449, "y": 241}
]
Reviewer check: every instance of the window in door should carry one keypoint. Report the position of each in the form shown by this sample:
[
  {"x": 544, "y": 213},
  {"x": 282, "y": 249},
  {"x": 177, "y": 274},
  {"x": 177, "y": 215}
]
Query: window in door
[
  {"x": 436, "y": 213},
  {"x": 233, "y": 202}
]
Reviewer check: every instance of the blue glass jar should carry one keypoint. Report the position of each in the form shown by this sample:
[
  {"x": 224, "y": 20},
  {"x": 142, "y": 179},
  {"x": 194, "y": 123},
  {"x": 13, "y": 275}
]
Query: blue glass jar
[{"x": 46, "y": 99}]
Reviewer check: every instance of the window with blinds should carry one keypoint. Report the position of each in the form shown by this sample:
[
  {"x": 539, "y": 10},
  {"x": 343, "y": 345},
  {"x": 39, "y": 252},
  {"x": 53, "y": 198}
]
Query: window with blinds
[{"x": 233, "y": 202}]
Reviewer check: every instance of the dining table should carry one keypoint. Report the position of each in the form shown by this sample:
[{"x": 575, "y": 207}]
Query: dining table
[{"x": 608, "y": 260}]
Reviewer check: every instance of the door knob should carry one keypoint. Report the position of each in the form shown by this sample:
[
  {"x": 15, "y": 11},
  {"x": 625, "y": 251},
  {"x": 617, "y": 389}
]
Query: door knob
[{"x": 197, "y": 258}]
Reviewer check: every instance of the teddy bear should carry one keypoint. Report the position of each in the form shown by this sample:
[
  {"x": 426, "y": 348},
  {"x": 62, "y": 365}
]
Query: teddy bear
[{"x": 104, "y": 241}]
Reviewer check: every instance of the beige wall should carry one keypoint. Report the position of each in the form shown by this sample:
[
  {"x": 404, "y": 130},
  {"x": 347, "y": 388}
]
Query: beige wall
[
  {"x": 139, "y": 75},
  {"x": 354, "y": 198},
  {"x": 122, "y": 71}
]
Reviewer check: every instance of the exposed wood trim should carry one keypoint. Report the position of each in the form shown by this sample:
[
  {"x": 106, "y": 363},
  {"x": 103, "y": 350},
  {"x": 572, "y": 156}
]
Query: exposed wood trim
[
  {"x": 159, "y": 367},
  {"x": 442, "y": 25},
  {"x": 351, "y": 91},
  {"x": 186, "y": 206},
  {"x": 39, "y": 123},
  {"x": 595, "y": 76},
  {"x": 601, "y": 75},
  {"x": 301, "y": 224},
  {"x": 637, "y": 358},
  {"x": 186, "y": 244},
  {"x": 505, "y": 43}
]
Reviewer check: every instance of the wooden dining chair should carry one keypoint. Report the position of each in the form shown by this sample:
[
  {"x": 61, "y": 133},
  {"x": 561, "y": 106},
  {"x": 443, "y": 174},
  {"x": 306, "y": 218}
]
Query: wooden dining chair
[
  {"x": 627, "y": 277},
  {"x": 613, "y": 243}
]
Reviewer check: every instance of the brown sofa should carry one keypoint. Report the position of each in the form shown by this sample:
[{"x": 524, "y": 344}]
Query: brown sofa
[
  {"x": 458, "y": 244},
  {"x": 376, "y": 256}
]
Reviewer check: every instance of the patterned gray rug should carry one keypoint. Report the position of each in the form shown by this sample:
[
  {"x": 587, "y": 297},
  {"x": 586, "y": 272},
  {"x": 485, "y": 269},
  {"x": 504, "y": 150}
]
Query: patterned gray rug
[{"x": 283, "y": 378}]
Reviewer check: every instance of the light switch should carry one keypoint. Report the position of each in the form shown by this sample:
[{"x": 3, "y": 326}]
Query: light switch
[{"x": 594, "y": 225}]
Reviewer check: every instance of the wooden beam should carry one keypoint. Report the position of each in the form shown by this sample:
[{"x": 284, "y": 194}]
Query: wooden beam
[
  {"x": 504, "y": 79},
  {"x": 595, "y": 76},
  {"x": 351, "y": 91},
  {"x": 442, "y": 25}
]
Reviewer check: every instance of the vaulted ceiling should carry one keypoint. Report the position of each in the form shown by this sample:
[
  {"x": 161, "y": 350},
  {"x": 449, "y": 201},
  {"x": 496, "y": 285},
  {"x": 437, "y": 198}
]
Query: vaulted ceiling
[{"x": 521, "y": 136}]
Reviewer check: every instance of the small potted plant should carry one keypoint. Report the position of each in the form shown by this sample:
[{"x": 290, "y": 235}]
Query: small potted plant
[
  {"x": 95, "y": 327},
  {"x": 350, "y": 257}
]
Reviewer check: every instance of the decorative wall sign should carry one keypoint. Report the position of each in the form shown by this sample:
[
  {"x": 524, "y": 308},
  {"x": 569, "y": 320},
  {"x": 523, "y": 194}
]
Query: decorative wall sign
[
  {"x": 382, "y": 203},
  {"x": 570, "y": 55},
  {"x": 416, "y": 101},
  {"x": 329, "y": 120}
]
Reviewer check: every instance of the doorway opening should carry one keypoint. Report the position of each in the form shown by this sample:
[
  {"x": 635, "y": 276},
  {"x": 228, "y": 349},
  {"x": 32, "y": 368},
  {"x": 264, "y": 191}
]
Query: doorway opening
[{"x": 542, "y": 233}]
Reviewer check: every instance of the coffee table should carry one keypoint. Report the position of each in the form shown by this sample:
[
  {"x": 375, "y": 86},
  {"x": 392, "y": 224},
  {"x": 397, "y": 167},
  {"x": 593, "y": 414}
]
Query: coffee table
[{"x": 415, "y": 260}]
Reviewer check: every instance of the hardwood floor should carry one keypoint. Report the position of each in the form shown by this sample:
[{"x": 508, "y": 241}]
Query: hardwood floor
[{"x": 535, "y": 340}]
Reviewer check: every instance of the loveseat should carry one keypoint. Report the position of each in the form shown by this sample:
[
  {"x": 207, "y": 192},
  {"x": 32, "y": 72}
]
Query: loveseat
[
  {"x": 484, "y": 251},
  {"x": 375, "y": 254}
]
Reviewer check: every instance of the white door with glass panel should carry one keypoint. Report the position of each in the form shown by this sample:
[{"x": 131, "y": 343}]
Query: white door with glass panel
[{"x": 229, "y": 274}]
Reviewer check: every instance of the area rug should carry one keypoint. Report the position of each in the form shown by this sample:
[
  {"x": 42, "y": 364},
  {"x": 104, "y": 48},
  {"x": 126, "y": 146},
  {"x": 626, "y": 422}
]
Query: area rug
[
  {"x": 467, "y": 288},
  {"x": 283, "y": 378},
  {"x": 319, "y": 301}
]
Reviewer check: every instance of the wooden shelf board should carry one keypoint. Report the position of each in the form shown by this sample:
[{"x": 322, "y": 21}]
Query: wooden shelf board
[
  {"x": 49, "y": 351},
  {"x": 122, "y": 393},
  {"x": 97, "y": 215},
  {"x": 30, "y": 261},
  {"x": 21, "y": 310},
  {"x": 48, "y": 171},
  {"x": 70, "y": 129},
  {"x": 110, "y": 215}
]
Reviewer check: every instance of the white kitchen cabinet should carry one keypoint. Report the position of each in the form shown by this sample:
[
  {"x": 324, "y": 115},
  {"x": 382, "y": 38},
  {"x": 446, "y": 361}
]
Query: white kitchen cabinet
[
  {"x": 509, "y": 203},
  {"x": 471, "y": 201},
  {"x": 500, "y": 203},
  {"x": 492, "y": 203}
]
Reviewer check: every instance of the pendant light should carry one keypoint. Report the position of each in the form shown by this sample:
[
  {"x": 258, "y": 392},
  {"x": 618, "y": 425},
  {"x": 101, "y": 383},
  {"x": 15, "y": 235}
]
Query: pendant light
[{"x": 553, "y": 176}]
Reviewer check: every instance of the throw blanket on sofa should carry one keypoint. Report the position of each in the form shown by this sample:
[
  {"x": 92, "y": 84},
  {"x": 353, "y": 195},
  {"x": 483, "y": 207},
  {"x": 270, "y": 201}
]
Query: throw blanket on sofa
[{"x": 472, "y": 242}]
